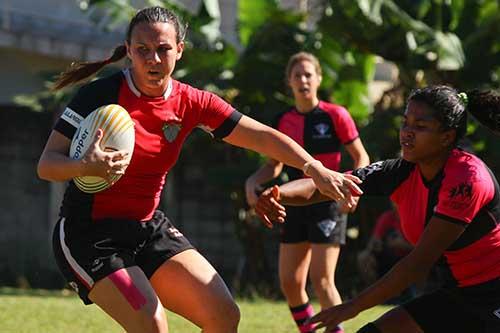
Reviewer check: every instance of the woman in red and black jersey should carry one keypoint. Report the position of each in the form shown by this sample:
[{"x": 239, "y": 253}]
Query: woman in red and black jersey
[
  {"x": 449, "y": 205},
  {"x": 113, "y": 246},
  {"x": 310, "y": 239}
]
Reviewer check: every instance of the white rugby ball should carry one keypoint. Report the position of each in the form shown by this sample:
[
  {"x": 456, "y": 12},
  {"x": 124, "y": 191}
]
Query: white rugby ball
[{"x": 118, "y": 134}]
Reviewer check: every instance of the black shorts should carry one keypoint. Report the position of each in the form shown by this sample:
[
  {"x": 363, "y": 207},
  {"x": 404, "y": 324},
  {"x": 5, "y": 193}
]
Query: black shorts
[
  {"x": 318, "y": 223},
  {"x": 459, "y": 310},
  {"x": 87, "y": 251}
]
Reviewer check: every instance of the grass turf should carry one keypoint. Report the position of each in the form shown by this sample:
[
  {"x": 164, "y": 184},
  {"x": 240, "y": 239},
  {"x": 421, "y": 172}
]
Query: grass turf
[{"x": 23, "y": 311}]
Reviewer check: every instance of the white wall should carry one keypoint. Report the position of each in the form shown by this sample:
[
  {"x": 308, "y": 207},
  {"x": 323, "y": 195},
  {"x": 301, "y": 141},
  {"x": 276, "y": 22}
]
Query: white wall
[{"x": 20, "y": 72}]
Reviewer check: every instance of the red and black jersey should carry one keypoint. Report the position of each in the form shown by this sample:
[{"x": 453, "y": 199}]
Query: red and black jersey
[
  {"x": 386, "y": 223},
  {"x": 464, "y": 192},
  {"x": 321, "y": 132},
  {"x": 137, "y": 194}
]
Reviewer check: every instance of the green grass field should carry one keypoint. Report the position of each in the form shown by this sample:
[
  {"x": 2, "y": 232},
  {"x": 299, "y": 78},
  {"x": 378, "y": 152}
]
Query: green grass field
[{"x": 23, "y": 311}]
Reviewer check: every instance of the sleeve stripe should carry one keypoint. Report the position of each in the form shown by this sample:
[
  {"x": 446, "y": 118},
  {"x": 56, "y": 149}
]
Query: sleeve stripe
[
  {"x": 72, "y": 117},
  {"x": 227, "y": 125},
  {"x": 451, "y": 219}
]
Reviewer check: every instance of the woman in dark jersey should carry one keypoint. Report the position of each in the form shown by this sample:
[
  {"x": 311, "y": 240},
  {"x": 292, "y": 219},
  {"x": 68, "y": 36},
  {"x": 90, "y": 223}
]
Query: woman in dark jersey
[
  {"x": 113, "y": 246},
  {"x": 449, "y": 205},
  {"x": 310, "y": 239}
]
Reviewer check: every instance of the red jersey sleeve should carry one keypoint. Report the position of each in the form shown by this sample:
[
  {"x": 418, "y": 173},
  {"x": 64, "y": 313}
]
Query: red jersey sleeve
[
  {"x": 214, "y": 111},
  {"x": 467, "y": 187},
  {"x": 344, "y": 125}
]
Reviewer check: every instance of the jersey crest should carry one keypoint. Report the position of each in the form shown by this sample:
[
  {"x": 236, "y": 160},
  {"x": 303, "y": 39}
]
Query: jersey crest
[
  {"x": 321, "y": 131},
  {"x": 171, "y": 130}
]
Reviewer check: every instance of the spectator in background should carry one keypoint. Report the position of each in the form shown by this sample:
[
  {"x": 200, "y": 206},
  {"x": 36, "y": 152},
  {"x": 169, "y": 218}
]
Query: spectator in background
[
  {"x": 386, "y": 246},
  {"x": 311, "y": 238}
]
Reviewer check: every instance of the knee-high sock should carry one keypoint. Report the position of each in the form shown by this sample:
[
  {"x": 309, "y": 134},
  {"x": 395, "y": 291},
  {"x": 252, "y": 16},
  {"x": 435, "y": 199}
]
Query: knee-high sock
[{"x": 300, "y": 314}]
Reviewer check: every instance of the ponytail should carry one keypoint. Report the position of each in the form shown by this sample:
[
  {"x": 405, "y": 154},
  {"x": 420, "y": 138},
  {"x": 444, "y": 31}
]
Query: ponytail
[
  {"x": 484, "y": 105},
  {"x": 79, "y": 71}
]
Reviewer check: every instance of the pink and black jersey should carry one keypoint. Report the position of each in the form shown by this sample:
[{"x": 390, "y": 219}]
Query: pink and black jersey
[
  {"x": 465, "y": 192},
  {"x": 161, "y": 126},
  {"x": 386, "y": 223},
  {"x": 320, "y": 132}
]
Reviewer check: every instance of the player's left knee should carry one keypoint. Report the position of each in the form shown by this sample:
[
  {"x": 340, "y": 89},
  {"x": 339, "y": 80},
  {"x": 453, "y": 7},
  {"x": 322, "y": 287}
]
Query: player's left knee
[
  {"x": 321, "y": 282},
  {"x": 230, "y": 315},
  {"x": 234, "y": 314}
]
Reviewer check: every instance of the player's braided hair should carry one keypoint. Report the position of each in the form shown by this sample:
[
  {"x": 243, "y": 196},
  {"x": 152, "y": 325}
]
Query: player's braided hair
[
  {"x": 79, "y": 71},
  {"x": 449, "y": 107}
]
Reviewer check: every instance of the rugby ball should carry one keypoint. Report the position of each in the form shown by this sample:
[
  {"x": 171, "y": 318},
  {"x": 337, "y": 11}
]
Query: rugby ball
[{"x": 118, "y": 134}]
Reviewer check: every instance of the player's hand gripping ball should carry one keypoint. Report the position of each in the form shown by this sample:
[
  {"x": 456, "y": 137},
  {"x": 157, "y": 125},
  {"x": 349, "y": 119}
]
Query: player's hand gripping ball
[{"x": 118, "y": 134}]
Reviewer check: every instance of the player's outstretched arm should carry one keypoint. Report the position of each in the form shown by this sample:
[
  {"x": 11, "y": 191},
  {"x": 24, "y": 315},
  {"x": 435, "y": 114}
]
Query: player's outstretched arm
[
  {"x": 437, "y": 237},
  {"x": 265, "y": 140},
  {"x": 299, "y": 192}
]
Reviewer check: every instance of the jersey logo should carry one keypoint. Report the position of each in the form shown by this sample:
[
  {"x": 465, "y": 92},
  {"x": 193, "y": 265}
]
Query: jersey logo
[
  {"x": 96, "y": 265},
  {"x": 173, "y": 232},
  {"x": 497, "y": 312},
  {"x": 458, "y": 196},
  {"x": 366, "y": 171},
  {"x": 321, "y": 131},
  {"x": 72, "y": 117},
  {"x": 327, "y": 227},
  {"x": 463, "y": 190},
  {"x": 171, "y": 130}
]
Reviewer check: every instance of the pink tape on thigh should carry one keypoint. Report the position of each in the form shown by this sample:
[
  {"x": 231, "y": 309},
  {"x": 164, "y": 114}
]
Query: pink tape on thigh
[{"x": 124, "y": 283}]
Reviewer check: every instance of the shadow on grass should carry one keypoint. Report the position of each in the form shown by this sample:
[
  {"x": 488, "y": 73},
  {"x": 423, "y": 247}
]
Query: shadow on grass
[{"x": 8, "y": 291}]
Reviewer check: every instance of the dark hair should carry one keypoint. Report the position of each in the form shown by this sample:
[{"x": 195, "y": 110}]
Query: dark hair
[
  {"x": 450, "y": 107},
  {"x": 79, "y": 71}
]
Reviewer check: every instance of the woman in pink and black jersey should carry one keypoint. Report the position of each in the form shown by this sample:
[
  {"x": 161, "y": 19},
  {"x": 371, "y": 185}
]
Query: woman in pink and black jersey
[
  {"x": 449, "y": 206},
  {"x": 114, "y": 248},
  {"x": 310, "y": 239}
]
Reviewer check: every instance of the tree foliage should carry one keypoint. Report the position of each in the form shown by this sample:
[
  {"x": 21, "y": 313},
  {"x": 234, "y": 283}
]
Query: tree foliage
[{"x": 431, "y": 42}]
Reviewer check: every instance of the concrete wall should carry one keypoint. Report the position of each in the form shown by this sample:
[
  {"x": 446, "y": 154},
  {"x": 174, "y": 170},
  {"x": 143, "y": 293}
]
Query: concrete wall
[
  {"x": 24, "y": 201},
  {"x": 25, "y": 72}
]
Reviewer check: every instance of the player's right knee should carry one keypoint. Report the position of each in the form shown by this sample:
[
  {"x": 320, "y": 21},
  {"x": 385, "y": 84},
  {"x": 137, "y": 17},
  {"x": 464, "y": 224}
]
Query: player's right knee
[
  {"x": 225, "y": 319},
  {"x": 369, "y": 328},
  {"x": 289, "y": 284},
  {"x": 154, "y": 322}
]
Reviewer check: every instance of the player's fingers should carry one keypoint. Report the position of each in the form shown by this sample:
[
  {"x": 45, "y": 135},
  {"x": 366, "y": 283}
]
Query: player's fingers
[
  {"x": 267, "y": 222},
  {"x": 119, "y": 155},
  {"x": 120, "y": 164},
  {"x": 318, "y": 318},
  {"x": 267, "y": 214},
  {"x": 353, "y": 178},
  {"x": 271, "y": 210},
  {"x": 351, "y": 184},
  {"x": 97, "y": 138},
  {"x": 334, "y": 192},
  {"x": 275, "y": 191},
  {"x": 263, "y": 217},
  {"x": 276, "y": 204}
]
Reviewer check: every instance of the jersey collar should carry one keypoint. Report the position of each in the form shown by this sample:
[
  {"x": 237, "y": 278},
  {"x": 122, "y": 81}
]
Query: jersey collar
[{"x": 133, "y": 88}]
